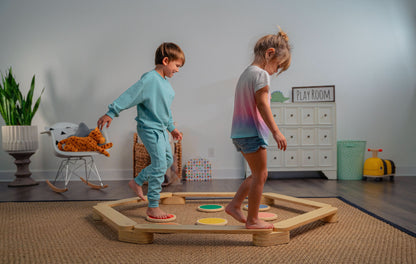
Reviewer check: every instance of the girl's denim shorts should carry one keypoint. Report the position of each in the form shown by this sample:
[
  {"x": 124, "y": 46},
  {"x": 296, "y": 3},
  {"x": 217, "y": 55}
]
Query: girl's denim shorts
[{"x": 249, "y": 144}]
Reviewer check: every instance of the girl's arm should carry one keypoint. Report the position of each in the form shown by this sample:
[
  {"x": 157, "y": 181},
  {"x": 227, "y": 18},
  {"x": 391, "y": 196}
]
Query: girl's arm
[{"x": 262, "y": 102}]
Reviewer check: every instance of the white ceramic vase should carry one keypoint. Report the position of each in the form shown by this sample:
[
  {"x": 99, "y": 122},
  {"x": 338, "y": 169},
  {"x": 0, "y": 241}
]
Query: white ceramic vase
[{"x": 20, "y": 138}]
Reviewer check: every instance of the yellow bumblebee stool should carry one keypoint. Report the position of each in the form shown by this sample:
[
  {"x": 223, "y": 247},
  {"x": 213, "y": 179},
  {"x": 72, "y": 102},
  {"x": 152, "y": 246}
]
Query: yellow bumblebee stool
[{"x": 377, "y": 168}]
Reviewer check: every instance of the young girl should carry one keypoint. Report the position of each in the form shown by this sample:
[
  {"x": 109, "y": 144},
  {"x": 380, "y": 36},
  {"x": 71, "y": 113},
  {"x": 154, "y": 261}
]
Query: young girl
[
  {"x": 152, "y": 95},
  {"x": 252, "y": 121}
]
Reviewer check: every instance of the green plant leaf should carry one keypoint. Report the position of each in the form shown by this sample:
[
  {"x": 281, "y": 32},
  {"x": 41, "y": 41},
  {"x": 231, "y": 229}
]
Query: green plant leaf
[
  {"x": 35, "y": 108},
  {"x": 14, "y": 107}
]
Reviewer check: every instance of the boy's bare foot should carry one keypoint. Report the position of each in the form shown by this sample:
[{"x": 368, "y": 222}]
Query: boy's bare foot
[
  {"x": 156, "y": 212},
  {"x": 259, "y": 224},
  {"x": 236, "y": 213},
  {"x": 137, "y": 189}
]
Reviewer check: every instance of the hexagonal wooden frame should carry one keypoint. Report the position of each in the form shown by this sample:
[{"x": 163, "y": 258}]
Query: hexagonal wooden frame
[{"x": 130, "y": 231}]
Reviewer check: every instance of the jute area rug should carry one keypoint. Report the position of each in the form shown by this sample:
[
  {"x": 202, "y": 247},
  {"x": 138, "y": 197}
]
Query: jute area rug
[{"x": 65, "y": 232}]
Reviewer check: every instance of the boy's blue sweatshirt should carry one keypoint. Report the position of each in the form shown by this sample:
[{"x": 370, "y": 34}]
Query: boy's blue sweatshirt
[{"x": 153, "y": 96}]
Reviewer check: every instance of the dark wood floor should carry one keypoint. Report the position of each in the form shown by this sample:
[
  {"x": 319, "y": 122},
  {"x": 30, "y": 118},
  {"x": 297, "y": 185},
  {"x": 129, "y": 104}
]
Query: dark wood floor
[{"x": 393, "y": 201}]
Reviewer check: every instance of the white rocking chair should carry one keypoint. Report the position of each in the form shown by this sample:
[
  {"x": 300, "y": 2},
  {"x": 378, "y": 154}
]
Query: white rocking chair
[{"x": 72, "y": 162}]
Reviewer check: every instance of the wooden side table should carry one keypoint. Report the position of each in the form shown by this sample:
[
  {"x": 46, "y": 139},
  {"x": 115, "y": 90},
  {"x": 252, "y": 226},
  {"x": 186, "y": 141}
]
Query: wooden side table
[{"x": 22, "y": 161}]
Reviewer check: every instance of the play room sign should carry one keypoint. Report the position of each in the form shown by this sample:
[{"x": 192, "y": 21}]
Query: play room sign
[{"x": 313, "y": 94}]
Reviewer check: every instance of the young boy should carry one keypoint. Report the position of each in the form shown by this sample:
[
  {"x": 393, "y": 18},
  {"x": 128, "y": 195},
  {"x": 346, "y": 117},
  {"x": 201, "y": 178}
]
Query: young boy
[{"x": 153, "y": 96}]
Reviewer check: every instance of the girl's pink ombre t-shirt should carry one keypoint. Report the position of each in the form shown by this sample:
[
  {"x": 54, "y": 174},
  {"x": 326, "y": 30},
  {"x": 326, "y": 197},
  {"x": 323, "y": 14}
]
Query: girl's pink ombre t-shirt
[{"x": 247, "y": 121}]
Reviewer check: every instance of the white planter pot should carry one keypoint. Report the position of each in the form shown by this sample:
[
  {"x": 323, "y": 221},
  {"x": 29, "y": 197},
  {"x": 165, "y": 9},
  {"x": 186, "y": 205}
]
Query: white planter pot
[{"x": 20, "y": 138}]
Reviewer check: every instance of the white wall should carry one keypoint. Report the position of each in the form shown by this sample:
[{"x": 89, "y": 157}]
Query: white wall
[{"x": 86, "y": 53}]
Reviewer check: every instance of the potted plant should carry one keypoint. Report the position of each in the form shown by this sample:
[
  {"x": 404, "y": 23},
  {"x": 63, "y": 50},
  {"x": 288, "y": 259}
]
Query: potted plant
[{"x": 19, "y": 137}]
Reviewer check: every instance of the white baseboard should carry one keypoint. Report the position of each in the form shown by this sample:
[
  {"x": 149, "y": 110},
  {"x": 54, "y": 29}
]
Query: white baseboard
[
  {"x": 223, "y": 174},
  {"x": 106, "y": 175},
  {"x": 115, "y": 175},
  {"x": 406, "y": 171}
]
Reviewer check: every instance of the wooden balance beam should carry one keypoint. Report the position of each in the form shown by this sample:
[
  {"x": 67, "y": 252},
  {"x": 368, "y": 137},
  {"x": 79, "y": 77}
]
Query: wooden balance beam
[
  {"x": 143, "y": 233},
  {"x": 322, "y": 211},
  {"x": 129, "y": 231},
  {"x": 180, "y": 197},
  {"x": 326, "y": 214}
]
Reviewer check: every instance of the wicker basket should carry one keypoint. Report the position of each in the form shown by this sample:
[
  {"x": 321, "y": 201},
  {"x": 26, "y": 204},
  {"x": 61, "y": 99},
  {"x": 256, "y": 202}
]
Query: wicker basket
[{"x": 141, "y": 158}]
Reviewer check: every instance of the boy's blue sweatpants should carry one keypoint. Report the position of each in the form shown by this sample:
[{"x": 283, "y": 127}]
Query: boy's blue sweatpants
[{"x": 159, "y": 149}]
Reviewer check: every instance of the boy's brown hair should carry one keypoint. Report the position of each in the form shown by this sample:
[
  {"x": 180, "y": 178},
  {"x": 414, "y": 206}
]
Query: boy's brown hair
[
  {"x": 280, "y": 42},
  {"x": 171, "y": 51}
]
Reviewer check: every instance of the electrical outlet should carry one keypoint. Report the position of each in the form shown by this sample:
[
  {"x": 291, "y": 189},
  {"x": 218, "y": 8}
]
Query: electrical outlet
[{"x": 211, "y": 152}]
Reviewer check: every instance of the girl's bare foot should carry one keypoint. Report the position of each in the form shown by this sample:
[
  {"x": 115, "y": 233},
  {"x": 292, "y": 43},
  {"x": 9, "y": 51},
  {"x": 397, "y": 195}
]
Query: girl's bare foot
[
  {"x": 137, "y": 189},
  {"x": 236, "y": 213},
  {"x": 156, "y": 212},
  {"x": 259, "y": 224}
]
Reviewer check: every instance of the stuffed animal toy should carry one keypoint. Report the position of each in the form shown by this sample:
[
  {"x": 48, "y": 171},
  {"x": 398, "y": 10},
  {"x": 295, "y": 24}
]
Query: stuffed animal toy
[{"x": 89, "y": 143}]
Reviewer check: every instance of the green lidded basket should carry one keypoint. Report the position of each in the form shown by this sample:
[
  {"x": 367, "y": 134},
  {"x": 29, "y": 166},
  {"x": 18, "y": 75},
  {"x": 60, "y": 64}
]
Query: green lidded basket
[{"x": 350, "y": 159}]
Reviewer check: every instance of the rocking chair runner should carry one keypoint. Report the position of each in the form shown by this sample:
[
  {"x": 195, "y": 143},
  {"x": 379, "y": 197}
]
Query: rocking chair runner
[{"x": 72, "y": 161}]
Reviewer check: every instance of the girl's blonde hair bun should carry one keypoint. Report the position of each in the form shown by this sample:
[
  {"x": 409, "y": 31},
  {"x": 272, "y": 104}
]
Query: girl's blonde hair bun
[{"x": 283, "y": 34}]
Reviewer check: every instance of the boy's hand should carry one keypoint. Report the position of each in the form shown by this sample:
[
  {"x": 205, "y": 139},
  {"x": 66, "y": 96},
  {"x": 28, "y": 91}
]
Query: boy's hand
[
  {"x": 104, "y": 120},
  {"x": 176, "y": 134}
]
